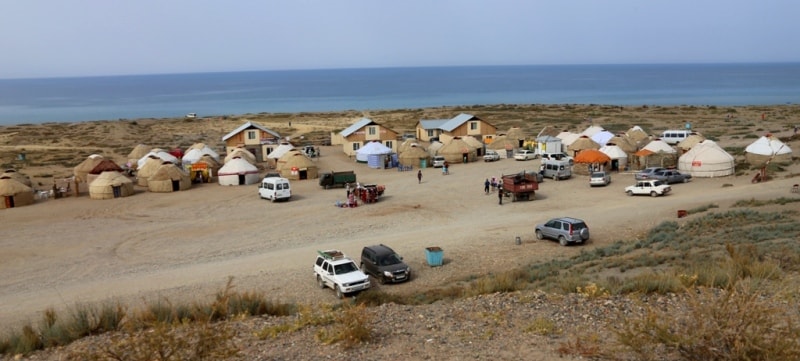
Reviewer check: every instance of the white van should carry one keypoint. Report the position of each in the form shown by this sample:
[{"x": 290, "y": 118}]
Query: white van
[
  {"x": 673, "y": 137},
  {"x": 555, "y": 169},
  {"x": 275, "y": 188}
]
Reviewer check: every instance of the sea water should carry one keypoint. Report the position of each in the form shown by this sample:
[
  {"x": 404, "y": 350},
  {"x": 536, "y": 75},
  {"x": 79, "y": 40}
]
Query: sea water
[{"x": 214, "y": 94}]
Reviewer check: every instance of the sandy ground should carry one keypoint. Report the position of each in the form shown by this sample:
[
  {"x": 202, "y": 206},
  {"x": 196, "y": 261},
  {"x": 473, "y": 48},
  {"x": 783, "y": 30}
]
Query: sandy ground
[{"x": 184, "y": 246}]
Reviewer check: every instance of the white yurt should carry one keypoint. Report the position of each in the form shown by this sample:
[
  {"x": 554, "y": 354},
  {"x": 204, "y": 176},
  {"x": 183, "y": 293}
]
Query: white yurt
[
  {"x": 238, "y": 171},
  {"x": 282, "y": 149},
  {"x": 374, "y": 154},
  {"x": 193, "y": 155},
  {"x": 619, "y": 158},
  {"x": 241, "y": 153},
  {"x": 767, "y": 149},
  {"x": 205, "y": 150},
  {"x": 707, "y": 159},
  {"x": 110, "y": 185},
  {"x": 160, "y": 154},
  {"x": 602, "y": 137}
]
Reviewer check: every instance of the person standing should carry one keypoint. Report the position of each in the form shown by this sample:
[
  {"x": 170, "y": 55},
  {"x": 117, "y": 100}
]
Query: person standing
[
  {"x": 500, "y": 196},
  {"x": 419, "y": 176},
  {"x": 486, "y": 185}
]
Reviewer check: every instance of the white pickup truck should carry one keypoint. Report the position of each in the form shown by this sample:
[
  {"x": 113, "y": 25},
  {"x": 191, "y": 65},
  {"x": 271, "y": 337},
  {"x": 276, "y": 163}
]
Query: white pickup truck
[{"x": 335, "y": 270}]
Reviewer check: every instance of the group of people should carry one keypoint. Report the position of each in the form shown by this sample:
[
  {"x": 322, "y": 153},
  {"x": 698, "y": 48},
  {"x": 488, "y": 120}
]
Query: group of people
[{"x": 491, "y": 185}]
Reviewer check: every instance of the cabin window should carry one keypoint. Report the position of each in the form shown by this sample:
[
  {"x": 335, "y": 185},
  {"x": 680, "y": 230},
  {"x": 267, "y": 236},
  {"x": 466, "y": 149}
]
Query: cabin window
[
  {"x": 356, "y": 146},
  {"x": 372, "y": 131},
  {"x": 473, "y": 125},
  {"x": 251, "y": 134},
  {"x": 388, "y": 143},
  {"x": 430, "y": 132}
]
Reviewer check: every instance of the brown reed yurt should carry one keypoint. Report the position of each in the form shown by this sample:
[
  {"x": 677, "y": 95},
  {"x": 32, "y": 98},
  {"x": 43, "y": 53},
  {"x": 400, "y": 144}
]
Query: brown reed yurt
[
  {"x": 591, "y": 159},
  {"x": 137, "y": 153},
  {"x": 204, "y": 170},
  {"x": 626, "y": 143},
  {"x": 690, "y": 142},
  {"x": 241, "y": 153},
  {"x": 549, "y": 130},
  {"x": 415, "y": 156},
  {"x": 296, "y": 165},
  {"x": 583, "y": 143},
  {"x": 516, "y": 134},
  {"x": 458, "y": 151},
  {"x": 109, "y": 185},
  {"x": 82, "y": 170},
  {"x": 147, "y": 170},
  {"x": 13, "y": 193},
  {"x": 168, "y": 178},
  {"x": 638, "y": 135},
  {"x": 106, "y": 165},
  {"x": 17, "y": 176},
  {"x": 475, "y": 144}
]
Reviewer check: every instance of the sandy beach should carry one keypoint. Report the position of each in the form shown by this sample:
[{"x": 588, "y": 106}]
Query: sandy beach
[{"x": 185, "y": 245}]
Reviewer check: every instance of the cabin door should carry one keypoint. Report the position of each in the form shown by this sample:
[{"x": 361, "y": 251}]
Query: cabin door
[
  {"x": 9, "y": 201},
  {"x": 176, "y": 185},
  {"x": 241, "y": 179}
]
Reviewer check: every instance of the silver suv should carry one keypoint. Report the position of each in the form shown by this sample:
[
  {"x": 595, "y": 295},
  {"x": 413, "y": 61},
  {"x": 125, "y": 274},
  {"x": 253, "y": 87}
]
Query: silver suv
[{"x": 565, "y": 229}]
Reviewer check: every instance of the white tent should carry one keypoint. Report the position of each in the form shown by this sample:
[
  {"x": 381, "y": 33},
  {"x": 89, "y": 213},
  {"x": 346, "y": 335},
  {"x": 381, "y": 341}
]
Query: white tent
[
  {"x": 371, "y": 148},
  {"x": 280, "y": 151},
  {"x": 659, "y": 145},
  {"x": 616, "y": 154},
  {"x": 196, "y": 152},
  {"x": 592, "y": 130},
  {"x": 767, "y": 149},
  {"x": 238, "y": 171},
  {"x": 602, "y": 137},
  {"x": 707, "y": 159},
  {"x": 157, "y": 153}
]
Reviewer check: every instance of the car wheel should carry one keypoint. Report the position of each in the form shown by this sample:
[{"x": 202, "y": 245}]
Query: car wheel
[
  {"x": 555, "y": 177},
  {"x": 685, "y": 180},
  {"x": 319, "y": 282},
  {"x": 653, "y": 194},
  {"x": 272, "y": 199},
  {"x": 630, "y": 193},
  {"x": 339, "y": 293},
  {"x": 539, "y": 235},
  {"x": 562, "y": 240}
]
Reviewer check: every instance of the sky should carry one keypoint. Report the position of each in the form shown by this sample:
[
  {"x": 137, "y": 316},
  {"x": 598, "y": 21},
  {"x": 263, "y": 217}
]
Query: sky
[{"x": 56, "y": 38}]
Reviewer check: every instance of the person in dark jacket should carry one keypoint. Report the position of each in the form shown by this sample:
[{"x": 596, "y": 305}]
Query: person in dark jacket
[{"x": 486, "y": 185}]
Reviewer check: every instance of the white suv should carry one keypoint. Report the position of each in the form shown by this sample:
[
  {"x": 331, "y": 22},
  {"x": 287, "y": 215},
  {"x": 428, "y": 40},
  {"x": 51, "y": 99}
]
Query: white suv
[
  {"x": 335, "y": 270},
  {"x": 524, "y": 154}
]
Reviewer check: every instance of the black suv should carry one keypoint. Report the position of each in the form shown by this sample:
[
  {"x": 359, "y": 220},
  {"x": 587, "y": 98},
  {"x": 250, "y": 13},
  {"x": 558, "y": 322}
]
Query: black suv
[{"x": 384, "y": 264}]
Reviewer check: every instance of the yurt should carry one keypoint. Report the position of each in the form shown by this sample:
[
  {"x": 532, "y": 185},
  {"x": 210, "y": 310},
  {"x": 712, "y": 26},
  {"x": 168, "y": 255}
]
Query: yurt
[
  {"x": 458, "y": 151},
  {"x": 690, "y": 141},
  {"x": 415, "y": 157},
  {"x": 375, "y": 150},
  {"x": 204, "y": 170},
  {"x": 548, "y": 130},
  {"x": 592, "y": 130},
  {"x": 147, "y": 170},
  {"x": 160, "y": 154},
  {"x": 767, "y": 149},
  {"x": 434, "y": 147},
  {"x": 14, "y": 193},
  {"x": 619, "y": 157},
  {"x": 567, "y": 138},
  {"x": 241, "y": 153},
  {"x": 82, "y": 170},
  {"x": 205, "y": 150},
  {"x": 516, "y": 134},
  {"x": 657, "y": 153},
  {"x": 237, "y": 172},
  {"x": 406, "y": 144},
  {"x": 137, "y": 153},
  {"x": 476, "y": 144},
  {"x": 582, "y": 143},
  {"x": 638, "y": 135},
  {"x": 707, "y": 159},
  {"x": 589, "y": 160},
  {"x": 17, "y": 176},
  {"x": 168, "y": 178},
  {"x": 283, "y": 148},
  {"x": 109, "y": 185},
  {"x": 625, "y": 142},
  {"x": 504, "y": 146},
  {"x": 296, "y": 166},
  {"x": 602, "y": 137},
  {"x": 105, "y": 165}
]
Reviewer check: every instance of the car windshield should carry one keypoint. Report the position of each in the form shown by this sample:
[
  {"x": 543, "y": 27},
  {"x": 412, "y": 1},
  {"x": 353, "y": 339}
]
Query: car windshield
[
  {"x": 344, "y": 268},
  {"x": 389, "y": 260}
]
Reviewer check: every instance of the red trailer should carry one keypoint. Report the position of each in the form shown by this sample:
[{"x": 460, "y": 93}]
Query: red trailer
[{"x": 520, "y": 185}]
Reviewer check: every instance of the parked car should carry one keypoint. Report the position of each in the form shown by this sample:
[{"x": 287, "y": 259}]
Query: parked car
[
  {"x": 652, "y": 187},
  {"x": 599, "y": 179},
  {"x": 438, "y": 161},
  {"x": 647, "y": 173},
  {"x": 565, "y": 230},
  {"x": 491, "y": 156},
  {"x": 384, "y": 264},
  {"x": 335, "y": 270},
  {"x": 558, "y": 156},
  {"x": 671, "y": 176},
  {"x": 525, "y": 154}
]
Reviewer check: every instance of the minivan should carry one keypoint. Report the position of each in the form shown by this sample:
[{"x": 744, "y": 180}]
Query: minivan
[
  {"x": 673, "y": 137},
  {"x": 275, "y": 188},
  {"x": 555, "y": 169}
]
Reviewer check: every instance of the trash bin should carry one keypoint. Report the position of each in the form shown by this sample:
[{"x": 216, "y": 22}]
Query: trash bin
[
  {"x": 682, "y": 213},
  {"x": 434, "y": 255}
]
